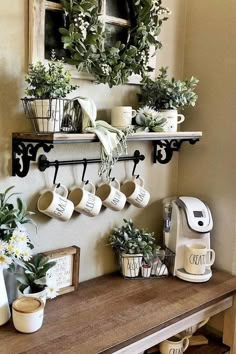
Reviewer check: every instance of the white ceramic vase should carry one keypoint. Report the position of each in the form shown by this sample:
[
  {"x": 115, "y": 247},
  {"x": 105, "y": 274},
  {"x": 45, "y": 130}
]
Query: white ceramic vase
[
  {"x": 130, "y": 264},
  {"x": 5, "y": 313},
  {"x": 49, "y": 114},
  {"x": 42, "y": 295}
]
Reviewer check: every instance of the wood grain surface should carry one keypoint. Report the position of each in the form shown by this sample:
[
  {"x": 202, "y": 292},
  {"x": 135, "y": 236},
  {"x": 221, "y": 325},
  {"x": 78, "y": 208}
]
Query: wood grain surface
[{"x": 109, "y": 312}]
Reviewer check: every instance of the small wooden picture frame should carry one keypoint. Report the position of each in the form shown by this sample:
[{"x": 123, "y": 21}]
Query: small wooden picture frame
[{"x": 66, "y": 271}]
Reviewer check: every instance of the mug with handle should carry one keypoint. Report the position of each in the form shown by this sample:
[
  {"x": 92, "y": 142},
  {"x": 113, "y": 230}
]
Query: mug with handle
[
  {"x": 85, "y": 202},
  {"x": 121, "y": 116},
  {"x": 54, "y": 204},
  {"x": 135, "y": 192},
  {"x": 111, "y": 196},
  {"x": 197, "y": 257},
  {"x": 174, "y": 345},
  {"x": 191, "y": 330},
  {"x": 173, "y": 119}
]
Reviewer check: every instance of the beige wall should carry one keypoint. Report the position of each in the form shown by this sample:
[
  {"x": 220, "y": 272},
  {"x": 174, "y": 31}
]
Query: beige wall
[
  {"x": 89, "y": 234},
  {"x": 208, "y": 169}
]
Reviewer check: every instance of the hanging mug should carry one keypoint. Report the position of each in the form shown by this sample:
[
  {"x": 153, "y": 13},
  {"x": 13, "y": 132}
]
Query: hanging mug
[
  {"x": 85, "y": 202},
  {"x": 135, "y": 192},
  {"x": 111, "y": 196},
  {"x": 54, "y": 204}
]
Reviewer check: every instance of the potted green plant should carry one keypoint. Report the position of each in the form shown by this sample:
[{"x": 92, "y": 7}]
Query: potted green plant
[
  {"x": 133, "y": 245},
  {"x": 14, "y": 240},
  {"x": 33, "y": 278},
  {"x": 167, "y": 96},
  {"x": 45, "y": 104}
]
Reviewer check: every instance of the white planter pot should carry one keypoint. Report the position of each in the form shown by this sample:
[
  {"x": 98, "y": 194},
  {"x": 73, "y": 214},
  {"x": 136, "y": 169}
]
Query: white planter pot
[
  {"x": 5, "y": 313},
  {"x": 42, "y": 295},
  {"x": 27, "y": 314},
  {"x": 130, "y": 264},
  {"x": 173, "y": 118},
  {"x": 49, "y": 115},
  {"x": 146, "y": 271}
]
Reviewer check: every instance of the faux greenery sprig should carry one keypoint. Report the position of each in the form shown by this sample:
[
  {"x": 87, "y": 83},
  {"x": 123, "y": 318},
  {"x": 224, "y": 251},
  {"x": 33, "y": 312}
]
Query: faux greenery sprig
[
  {"x": 165, "y": 93},
  {"x": 34, "y": 273},
  {"x": 89, "y": 47},
  {"x": 48, "y": 81},
  {"x": 131, "y": 240}
]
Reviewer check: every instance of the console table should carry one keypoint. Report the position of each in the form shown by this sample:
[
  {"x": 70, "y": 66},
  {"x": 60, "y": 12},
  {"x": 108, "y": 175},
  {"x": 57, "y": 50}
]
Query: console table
[{"x": 110, "y": 314}]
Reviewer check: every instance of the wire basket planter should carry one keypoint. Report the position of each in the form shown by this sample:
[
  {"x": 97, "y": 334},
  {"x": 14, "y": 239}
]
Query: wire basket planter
[
  {"x": 53, "y": 115},
  {"x": 134, "y": 266}
]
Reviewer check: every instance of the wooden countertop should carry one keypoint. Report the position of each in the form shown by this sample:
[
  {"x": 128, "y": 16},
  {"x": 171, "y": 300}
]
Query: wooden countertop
[{"x": 109, "y": 312}]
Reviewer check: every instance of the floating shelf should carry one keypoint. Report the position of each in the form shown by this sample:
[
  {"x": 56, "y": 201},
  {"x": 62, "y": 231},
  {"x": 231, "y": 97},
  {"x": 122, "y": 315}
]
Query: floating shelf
[{"x": 25, "y": 146}]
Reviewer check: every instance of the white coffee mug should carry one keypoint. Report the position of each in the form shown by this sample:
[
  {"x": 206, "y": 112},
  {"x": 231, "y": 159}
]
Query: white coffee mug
[
  {"x": 173, "y": 118},
  {"x": 56, "y": 205},
  {"x": 85, "y": 202},
  {"x": 197, "y": 257},
  {"x": 135, "y": 192},
  {"x": 111, "y": 196},
  {"x": 121, "y": 116},
  {"x": 174, "y": 345}
]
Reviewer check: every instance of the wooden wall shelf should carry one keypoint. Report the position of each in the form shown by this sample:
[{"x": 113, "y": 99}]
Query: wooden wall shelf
[{"x": 25, "y": 146}]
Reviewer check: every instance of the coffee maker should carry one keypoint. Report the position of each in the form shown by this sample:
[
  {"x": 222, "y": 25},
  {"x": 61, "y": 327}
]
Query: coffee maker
[{"x": 187, "y": 220}]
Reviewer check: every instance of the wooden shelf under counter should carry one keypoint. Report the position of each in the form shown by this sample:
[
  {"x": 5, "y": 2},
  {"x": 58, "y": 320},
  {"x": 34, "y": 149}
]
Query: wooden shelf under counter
[{"x": 110, "y": 314}]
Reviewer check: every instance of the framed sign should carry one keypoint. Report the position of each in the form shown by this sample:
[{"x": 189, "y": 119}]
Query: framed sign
[{"x": 66, "y": 270}]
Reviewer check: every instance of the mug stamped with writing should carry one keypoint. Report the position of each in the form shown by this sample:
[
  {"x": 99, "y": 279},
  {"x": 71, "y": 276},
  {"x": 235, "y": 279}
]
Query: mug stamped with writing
[
  {"x": 85, "y": 202},
  {"x": 121, "y": 116},
  {"x": 135, "y": 192},
  {"x": 111, "y": 196},
  {"x": 54, "y": 204},
  {"x": 197, "y": 257},
  {"x": 174, "y": 345}
]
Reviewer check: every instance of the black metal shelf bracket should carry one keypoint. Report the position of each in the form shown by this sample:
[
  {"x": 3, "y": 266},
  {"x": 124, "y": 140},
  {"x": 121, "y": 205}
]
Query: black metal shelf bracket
[
  {"x": 163, "y": 149},
  {"x": 44, "y": 163},
  {"x": 23, "y": 153}
]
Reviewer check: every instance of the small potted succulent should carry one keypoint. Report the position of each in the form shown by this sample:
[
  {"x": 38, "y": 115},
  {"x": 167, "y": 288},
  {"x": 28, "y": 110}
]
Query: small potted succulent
[
  {"x": 45, "y": 104},
  {"x": 133, "y": 245},
  {"x": 167, "y": 96},
  {"x": 149, "y": 120},
  {"x": 33, "y": 278}
]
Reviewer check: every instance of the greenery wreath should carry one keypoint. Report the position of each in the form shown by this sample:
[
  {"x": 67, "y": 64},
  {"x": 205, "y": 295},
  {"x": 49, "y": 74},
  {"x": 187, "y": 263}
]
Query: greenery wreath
[{"x": 85, "y": 39}]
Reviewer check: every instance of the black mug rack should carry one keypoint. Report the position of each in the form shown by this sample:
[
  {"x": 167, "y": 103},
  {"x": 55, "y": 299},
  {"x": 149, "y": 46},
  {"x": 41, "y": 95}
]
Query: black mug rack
[{"x": 44, "y": 163}]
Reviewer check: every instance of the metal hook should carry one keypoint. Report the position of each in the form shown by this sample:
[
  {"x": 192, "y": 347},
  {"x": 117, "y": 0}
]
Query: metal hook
[
  {"x": 136, "y": 161},
  {"x": 85, "y": 162},
  {"x": 55, "y": 174},
  {"x": 109, "y": 176}
]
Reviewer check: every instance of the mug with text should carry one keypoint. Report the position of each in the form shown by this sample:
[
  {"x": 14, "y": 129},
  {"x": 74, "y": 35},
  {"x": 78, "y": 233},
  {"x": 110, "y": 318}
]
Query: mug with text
[
  {"x": 54, "y": 204},
  {"x": 121, "y": 116},
  {"x": 174, "y": 345},
  {"x": 85, "y": 202},
  {"x": 111, "y": 196},
  {"x": 197, "y": 257},
  {"x": 173, "y": 118},
  {"x": 135, "y": 192}
]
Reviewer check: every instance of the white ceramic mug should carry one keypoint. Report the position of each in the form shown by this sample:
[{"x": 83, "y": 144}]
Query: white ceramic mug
[
  {"x": 197, "y": 257},
  {"x": 27, "y": 314},
  {"x": 135, "y": 192},
  {"x": 121, "y": 116},
  {"x": 174, "y": 345},
  {"x": 85, "y": 202},
  {"x": 111, "y": 196},
  {"x": 173, "y": 118},
  {"x": 56, "y": 205}
]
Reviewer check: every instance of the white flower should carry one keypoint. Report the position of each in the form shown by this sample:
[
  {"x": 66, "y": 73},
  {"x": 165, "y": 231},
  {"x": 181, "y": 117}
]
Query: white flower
[
  {"x": 5, "y": 261},
  {"x": 26, "y": 255},
  {"x": 51, "y": 292},
  {"x": 3, "y": 246}
]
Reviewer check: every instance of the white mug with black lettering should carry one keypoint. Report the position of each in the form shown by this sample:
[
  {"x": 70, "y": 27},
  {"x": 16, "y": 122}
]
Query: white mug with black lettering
[
  {"x": 135, "y": 192},
  {"x": 174, "y": 345},
  {"x": 85, "y": 202},
  {"x": 111, "y": 196},
  {"x": 197, "y": 257},
  {"x": 121, "y": 116},
  {"x": 54, "y": 204}
]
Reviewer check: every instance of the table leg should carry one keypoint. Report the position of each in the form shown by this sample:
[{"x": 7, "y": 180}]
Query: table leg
[{"x": 229, "y": 329}]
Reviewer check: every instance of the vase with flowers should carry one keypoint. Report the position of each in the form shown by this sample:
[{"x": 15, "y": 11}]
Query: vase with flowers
[{"x": 14, "y": 241}]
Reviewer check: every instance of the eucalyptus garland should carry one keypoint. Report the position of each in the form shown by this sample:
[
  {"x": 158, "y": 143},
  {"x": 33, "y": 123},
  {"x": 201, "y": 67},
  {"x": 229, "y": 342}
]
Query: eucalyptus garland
[{"x": 85, "y": 39}]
